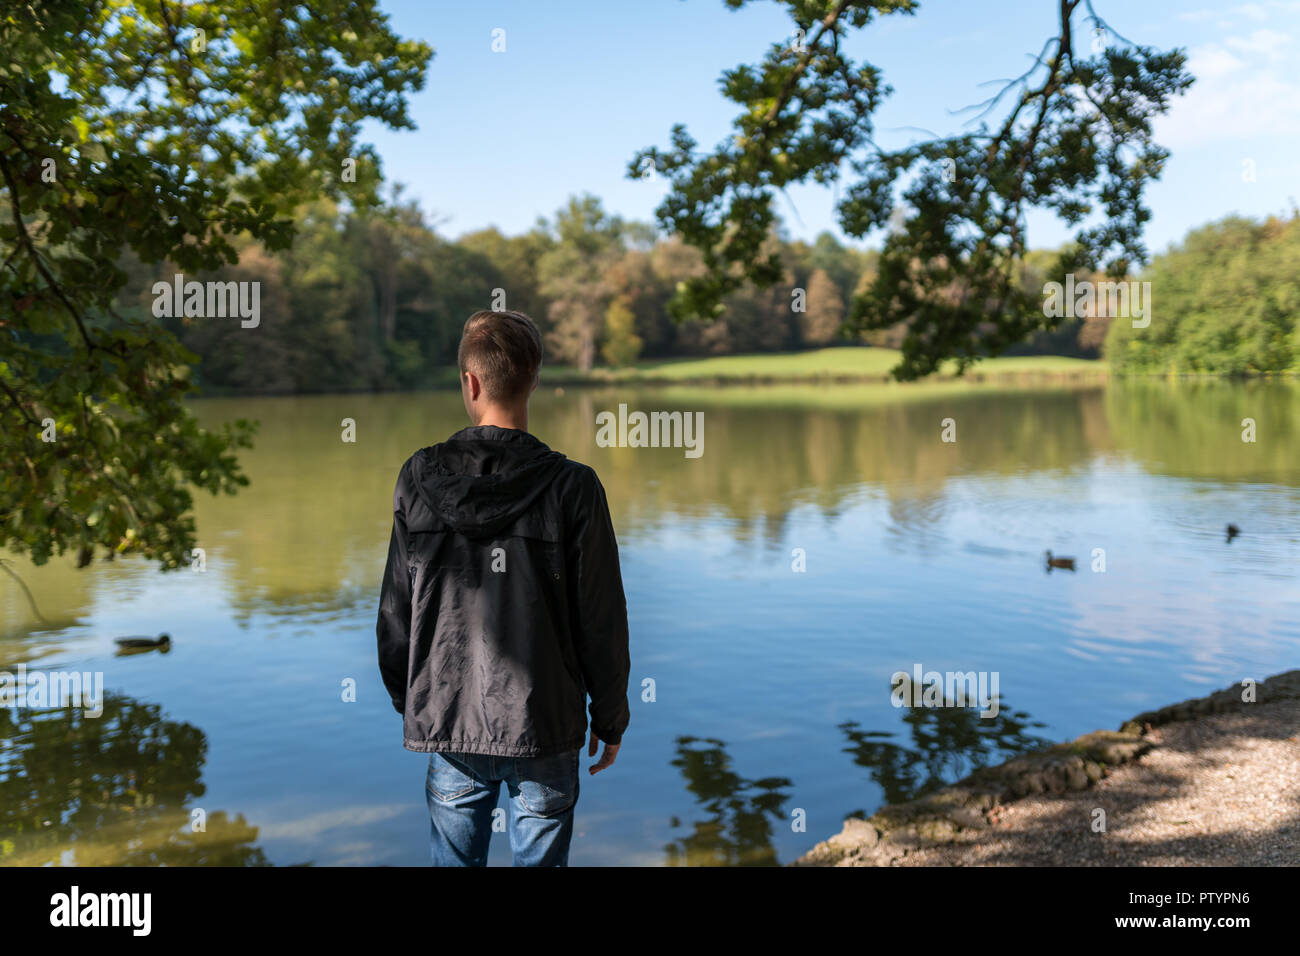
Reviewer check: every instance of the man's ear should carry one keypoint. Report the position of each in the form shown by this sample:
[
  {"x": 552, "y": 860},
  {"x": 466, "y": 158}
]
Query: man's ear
[{"x": 475, "y": 387}]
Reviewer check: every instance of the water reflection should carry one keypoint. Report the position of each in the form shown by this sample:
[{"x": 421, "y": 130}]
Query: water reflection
[
  {"x": 914, "y": 546},
  {"x": 306, "y": 534},
  {"x": 947, "y": 744},
  {"x": 115, "y": 790},
  {"x": 1195, "y": 429},
  {"x": 741, "y": 813}
]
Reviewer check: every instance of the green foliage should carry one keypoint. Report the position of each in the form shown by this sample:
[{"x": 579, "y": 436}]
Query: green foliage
[
  {"x": 1225, "y": 301},
  {"x": 1075, "y": 140},
  {"x": 155, "y": 132},
  {"x": 1081, "y": 336},
  {"x": 622, "y": 345},
  {"x": 574, "y": 278},
  {"x": 515, "y": 258},
  {"x": 375, "y": 299}
]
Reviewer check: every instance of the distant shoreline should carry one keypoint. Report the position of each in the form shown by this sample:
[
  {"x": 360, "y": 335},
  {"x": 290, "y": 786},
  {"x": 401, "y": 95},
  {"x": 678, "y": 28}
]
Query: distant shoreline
[
  {"x": 843, "y": 365},
  {"x": 835, "y": 366},
  {"x": 599, "y": 380}
]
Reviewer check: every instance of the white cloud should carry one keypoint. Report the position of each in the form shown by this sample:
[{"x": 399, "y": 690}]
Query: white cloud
[
  {"x": 1260, "y": 43},
  {"x": 1212, "y": 62},
  {"x": 1235, "y": 97}
]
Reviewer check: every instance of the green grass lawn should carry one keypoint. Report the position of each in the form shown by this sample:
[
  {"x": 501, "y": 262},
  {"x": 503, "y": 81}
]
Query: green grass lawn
[{"x": 833, "y": 364}]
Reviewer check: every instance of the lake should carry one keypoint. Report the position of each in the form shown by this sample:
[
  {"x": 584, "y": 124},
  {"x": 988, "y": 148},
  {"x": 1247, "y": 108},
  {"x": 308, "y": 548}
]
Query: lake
[{"x": 772, "y": 716}]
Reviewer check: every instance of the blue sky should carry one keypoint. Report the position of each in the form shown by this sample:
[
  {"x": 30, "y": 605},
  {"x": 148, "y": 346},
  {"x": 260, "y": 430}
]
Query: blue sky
[{"x": 506, "y": 137}]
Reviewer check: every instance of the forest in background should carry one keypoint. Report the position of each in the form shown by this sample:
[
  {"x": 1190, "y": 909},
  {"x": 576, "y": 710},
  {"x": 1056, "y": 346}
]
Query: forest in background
[{"x": 375, "y": 300}]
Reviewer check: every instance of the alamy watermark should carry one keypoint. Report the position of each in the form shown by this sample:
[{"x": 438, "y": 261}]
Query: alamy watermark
[
  {"x": 1082, "y": 299},
  {"x": 651, "y": 430},
  {"x": 948, "y": 689},
  {"x": 208, "y": 300},
  {"x": 41, "y": 689},
  {"x": 74, "y": 908}
]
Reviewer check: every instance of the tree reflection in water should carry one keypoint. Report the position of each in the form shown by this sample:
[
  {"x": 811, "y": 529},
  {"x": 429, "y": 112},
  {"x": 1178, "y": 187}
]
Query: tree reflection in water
[
  {"x": 114, "y": 790},
  {"x": 947, "y": 744},
  {"x": 741, "y": 812}
]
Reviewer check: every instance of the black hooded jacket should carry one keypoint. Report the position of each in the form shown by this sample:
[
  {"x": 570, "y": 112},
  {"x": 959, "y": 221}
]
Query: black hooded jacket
[{"x": 502, "y": 606}]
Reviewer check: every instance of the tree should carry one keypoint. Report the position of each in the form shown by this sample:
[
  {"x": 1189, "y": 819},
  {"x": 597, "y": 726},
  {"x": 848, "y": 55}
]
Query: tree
[
  {"x": 1035, "y": 270},
  {"x": 453, "y": 283},
  {"x": 1225, "y": 301},
  {"x": 622, "y": 344},
  {"x": 1075, "y": 140},
  {"x": 838, "y": 261},
  {"x": 393, "y": 235},
  {"x": 574, "y": 277},
  {"x": 638, "y": 286},
  {"x": 168, "y": 131},
  {"x": 824, "y": 311},
  {"x": 672, "y": 262},
  {"x": 516, "y": 258},
  {"x": 761, "y": 320}
]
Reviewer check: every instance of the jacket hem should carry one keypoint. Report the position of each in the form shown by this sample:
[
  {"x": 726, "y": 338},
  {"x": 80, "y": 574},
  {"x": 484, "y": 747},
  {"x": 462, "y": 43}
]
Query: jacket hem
[{"x": 490, "y": 748}]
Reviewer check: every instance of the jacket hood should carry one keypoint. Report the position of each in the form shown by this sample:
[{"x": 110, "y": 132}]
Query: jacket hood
[{"x": 483, "y": 478}]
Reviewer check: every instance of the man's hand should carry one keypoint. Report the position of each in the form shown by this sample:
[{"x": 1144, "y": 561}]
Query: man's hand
[{"x": 607, "y": 758}]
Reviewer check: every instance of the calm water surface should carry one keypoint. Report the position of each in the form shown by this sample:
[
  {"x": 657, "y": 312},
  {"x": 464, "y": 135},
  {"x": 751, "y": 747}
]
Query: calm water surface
[{"x": 771, "y": 687}]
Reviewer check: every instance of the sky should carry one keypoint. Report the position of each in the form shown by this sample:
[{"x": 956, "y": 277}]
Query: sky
[{"x": 506, "y": 137}]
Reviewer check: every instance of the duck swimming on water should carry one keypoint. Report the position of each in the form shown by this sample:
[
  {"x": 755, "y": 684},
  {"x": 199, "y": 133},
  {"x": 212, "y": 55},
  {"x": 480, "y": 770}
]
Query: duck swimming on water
[
  {"x": 1233, "y": 531},
  {"x": 130, "y": 645},
  {"x": 1064, "y": 563}
]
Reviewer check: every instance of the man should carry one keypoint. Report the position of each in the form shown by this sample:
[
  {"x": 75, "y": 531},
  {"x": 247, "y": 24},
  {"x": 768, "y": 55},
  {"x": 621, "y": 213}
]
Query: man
[{"x": 501, "y": 610}]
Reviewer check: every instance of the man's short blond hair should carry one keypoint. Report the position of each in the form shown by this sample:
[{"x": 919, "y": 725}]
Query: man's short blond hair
[{"x": 504, "y": 349}]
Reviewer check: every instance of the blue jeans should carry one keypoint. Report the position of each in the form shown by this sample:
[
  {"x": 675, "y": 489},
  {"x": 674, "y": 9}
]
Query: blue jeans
[{"x": 462, "y": 793}]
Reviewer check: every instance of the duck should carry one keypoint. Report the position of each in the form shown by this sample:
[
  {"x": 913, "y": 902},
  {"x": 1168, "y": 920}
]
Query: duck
[
  {"x": 1065, "y": 563},
  {"x": 162, "y": 642},
  {"x": 1233, "y": 531}
]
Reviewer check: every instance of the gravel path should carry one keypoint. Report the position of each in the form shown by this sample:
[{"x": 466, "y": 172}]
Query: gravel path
[{"x": 1221, "y": 789}]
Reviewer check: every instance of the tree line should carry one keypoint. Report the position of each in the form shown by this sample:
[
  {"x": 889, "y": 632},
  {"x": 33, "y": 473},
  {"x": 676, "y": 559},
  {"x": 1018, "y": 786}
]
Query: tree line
[
  {"x": 1226, "y": 301},
  {"x": 374, "y": 299}
]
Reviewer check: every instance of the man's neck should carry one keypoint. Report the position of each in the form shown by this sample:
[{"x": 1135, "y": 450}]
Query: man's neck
[{"x": 505, "y": 418}]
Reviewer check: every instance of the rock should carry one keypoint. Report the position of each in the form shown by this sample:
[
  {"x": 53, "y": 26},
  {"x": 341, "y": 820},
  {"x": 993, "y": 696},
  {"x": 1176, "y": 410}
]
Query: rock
[
  {"x": 903, "y": 837},
  {"x": 968, "y": 818},
  {"x": 936, "y": 831},
  {"x": 856, "y": 835},
  {"x": 1077, "y": 777}
]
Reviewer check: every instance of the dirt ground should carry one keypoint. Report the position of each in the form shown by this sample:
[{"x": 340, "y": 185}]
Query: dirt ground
[{"x": 1222, "y": 790}]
